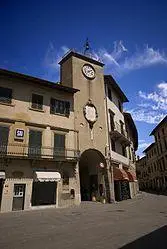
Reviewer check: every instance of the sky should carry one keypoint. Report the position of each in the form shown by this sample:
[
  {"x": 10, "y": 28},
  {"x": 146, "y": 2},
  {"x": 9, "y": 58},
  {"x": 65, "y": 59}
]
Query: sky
[{"x": 129, "y": 37}]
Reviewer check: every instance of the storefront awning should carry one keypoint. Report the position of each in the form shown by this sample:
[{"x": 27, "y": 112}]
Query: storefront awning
[
  {"x": 120, "y": 174},
  {"x": 131, "y": 175},
  {"x": 45, "y": 176},
  {"x": 2, "y": 175}
]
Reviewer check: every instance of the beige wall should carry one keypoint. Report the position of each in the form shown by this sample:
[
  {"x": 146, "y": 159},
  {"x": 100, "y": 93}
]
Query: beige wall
[{"x": 89, "y": 89}]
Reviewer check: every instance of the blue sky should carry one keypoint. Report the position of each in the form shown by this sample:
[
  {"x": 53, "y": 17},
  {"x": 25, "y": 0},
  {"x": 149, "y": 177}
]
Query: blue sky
[{"x": 128, "y": 36}]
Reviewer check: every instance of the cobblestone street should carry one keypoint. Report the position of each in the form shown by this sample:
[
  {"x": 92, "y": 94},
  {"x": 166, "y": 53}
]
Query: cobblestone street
[{"x": 137, "y": 223}]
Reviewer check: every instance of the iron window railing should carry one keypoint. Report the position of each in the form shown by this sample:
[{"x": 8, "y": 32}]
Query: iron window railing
[{"x": 43, "y": 152}]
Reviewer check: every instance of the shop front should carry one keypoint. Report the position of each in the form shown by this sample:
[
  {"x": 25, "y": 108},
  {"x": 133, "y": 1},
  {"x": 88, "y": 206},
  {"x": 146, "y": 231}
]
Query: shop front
[{"x": 44, "y": 189}]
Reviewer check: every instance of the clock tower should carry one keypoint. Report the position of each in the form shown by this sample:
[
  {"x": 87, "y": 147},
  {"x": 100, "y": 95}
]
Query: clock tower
[{"x": 86, "y": 74}]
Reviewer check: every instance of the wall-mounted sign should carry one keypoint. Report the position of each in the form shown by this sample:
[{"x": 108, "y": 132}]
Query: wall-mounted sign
[{"x": 19, "y": 133}]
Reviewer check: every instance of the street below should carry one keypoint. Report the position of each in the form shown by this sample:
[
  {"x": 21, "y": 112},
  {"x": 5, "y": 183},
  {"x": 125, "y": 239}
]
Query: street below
[{"x": 136, "y": 223}]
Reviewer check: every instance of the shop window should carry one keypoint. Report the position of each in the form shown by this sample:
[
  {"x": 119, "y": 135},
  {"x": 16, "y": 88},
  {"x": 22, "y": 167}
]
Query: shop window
[
  {"x": 59, "y": 107},
  {"x": 37, "y": 101},
  {"x": 5, "y": 95}
]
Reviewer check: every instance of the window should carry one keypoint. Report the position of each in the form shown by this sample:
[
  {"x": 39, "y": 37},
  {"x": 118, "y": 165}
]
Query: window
[
  {"x": 59, "y": 145},
  {"x": 113, "y": 145},
  {"x": 122, "y": 127},
  {"x": 124, "y": 150},
  {"x": 35, "y": 143},
  {"x": 4, "y": 134},
  {"x": 37, "y": 101},
  {"x": 109, "y": 94},
  {"x": 59, "y": 107},
  {"x": 65, "y": 177},
  {"x": 112, "y": 125},
  {"x": 120, "y": 106},
  {"x": 5, "y": 95}
]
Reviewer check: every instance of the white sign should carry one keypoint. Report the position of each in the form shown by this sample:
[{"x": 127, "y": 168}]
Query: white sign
[{"x": 19, "y": 133}]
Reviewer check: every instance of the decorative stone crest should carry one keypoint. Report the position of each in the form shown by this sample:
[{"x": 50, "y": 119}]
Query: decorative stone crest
[{"x": 90, "y": 113}]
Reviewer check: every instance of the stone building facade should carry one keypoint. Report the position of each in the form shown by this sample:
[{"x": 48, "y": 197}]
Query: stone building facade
[
  {"x": 152, "y": 170},
  {"x": 56, "y": 139}
]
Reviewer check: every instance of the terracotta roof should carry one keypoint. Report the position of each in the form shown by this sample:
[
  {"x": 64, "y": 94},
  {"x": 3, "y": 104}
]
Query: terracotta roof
[
  {"x": 37, "y": 81},
  {"x": 163, "y": 121},
  {"x": 149, "y": 147},
  {"x": 108, "y": 79},
  {"x": 80, "y": 56}
]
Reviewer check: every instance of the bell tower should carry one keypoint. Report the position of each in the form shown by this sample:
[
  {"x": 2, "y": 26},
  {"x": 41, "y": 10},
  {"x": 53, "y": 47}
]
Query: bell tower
[{"x": 86, "y": 74}]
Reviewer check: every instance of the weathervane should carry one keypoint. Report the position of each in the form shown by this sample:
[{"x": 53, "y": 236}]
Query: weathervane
[{"x": 87, "y": 49}]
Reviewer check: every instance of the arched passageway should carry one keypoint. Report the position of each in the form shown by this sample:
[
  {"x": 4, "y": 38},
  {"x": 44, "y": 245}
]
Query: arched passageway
[{"x": 92, "y": 169}]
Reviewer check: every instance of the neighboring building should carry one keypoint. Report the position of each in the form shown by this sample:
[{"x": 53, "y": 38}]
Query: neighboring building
[
  {"x": 123, "y": 142},
  {"x": 58, "y": 144},
  {"x": 38, "y": 143},
  {"x": 155, "y": 167}
]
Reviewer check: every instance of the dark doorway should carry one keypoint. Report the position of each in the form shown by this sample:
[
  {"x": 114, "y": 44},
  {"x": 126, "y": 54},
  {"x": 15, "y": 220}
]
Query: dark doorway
[
  {"x": 92, "y": 174},
  {"x": 44, "y": 193},
  {"x": 18, "y": 197},
  {"x": 122, "y": 190}
]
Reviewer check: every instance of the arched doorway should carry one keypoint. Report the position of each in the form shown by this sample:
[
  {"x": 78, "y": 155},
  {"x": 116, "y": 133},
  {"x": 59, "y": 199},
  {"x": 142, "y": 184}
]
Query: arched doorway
[{"x": 92, "y": 169}]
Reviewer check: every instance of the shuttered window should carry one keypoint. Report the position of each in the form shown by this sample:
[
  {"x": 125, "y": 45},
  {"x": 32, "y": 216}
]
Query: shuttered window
[
  {"x": 59, "y": 107},
  {"x": 37, "y": 101},
  {"x": 35, "y": 143},
  {"x": 4, "y": 134},
  {"x": 5, "y": 95},
  {"x": 59, "y": 144}
]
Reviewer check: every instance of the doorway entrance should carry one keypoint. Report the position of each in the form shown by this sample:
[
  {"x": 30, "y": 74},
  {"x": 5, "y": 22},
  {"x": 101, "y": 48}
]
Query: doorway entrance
[
  {"x": 18, "y": 197},
  {"x": 92, "y": 170}
]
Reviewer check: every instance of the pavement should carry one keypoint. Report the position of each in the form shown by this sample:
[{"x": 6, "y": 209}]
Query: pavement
[{"x": 136, "y": 223}]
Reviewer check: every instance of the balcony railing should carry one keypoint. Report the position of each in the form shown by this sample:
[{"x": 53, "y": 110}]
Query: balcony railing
[
  {"x": 118, "y": 132},
  {"x": 24, "y": 151}
]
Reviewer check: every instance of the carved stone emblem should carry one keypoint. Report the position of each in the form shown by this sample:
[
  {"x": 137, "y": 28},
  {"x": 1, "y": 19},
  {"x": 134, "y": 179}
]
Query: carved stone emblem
[{"x": 90, "y": 113}]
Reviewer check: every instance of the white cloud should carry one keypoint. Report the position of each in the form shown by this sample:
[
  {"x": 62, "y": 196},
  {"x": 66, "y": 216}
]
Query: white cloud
[
  {"x": 51, "y": 59},
  {"x": 154, "y": 107},
  {"x": 143, "y": 145},
  {"x": 118, "y": 61}
]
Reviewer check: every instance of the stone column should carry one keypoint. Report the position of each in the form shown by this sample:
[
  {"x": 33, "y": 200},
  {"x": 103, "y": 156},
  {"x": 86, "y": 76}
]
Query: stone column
[{"x": 77, "y": 189}]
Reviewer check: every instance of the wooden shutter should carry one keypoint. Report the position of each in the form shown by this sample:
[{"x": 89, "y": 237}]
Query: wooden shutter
[
  {"x": 59, "y": 144},
  {"x": 67, "y": 108},
  {"x": 35, "y": 142},
  {"x": 4, "y": 134},
  {"x": 5, "y": 95},
  {"x": 52, "y": 106}
]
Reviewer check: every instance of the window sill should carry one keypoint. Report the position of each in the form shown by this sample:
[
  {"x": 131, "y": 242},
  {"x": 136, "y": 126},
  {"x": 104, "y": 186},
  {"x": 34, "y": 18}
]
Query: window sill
[
  {"x": 59, "y": 114},
  {"x": 8, "y": 104},
  {"x": 37, "y": 110}
]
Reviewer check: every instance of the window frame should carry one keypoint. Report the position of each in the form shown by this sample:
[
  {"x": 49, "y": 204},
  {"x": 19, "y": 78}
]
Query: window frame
[
  {"x": 66, "y": 107},
  {"x": 37, "y": 108},
  {"x": 10, "y": 99}
]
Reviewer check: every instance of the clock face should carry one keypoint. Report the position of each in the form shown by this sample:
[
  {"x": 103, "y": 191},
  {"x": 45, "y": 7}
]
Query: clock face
[{"x": 88, "y": 71}]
